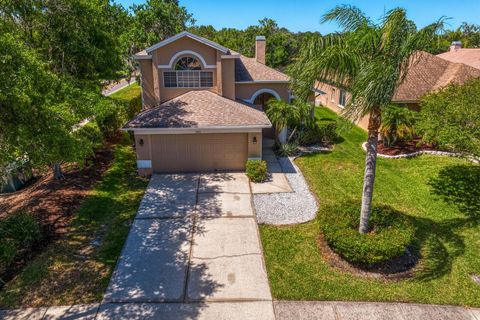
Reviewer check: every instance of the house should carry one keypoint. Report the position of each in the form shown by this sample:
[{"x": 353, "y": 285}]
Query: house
[
  {"x": 426, "y": 74},
  {"x": 468, "y": 56},
  {"x": 202, "y": 105}
]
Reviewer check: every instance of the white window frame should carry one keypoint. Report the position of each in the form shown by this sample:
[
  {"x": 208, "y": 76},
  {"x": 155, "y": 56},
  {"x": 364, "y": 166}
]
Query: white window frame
[
  {"x": 188, "y": 73},
  {"x": 333, "y": 95},
  {"x": 340, "y": 98}
]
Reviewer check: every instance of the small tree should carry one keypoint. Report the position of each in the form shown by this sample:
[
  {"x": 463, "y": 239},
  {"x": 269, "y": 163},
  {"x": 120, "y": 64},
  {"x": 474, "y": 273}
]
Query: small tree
[
  {"x": 450, "y": 118},
  {"x": 283, "y": 115},
  {"x": 397, "y": 124}
]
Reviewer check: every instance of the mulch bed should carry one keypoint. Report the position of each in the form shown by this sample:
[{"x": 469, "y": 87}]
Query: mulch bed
[
  {"x": 54, "y": 202},
  {"x": 397, "y": 269},
  {"x": 403, "y": 147}
]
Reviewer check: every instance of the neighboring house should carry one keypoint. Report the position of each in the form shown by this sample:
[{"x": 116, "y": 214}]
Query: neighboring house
[
  {"x": 426, "y": 74},
  {"x": 203, "y": 105}
]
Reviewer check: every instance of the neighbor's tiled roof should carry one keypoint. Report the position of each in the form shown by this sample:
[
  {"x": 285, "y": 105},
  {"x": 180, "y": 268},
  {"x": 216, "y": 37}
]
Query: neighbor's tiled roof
[
  {"x": 200, "y": 109},
  {"x": 430, "y": 73},
  {"x": 468, "y": 56},
  {"x": 248, "y": 69}
]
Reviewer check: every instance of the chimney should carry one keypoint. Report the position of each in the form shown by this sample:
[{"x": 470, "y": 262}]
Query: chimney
[
  {"x": 456, "y": 45},
  {"x": 260, "y": 46}
]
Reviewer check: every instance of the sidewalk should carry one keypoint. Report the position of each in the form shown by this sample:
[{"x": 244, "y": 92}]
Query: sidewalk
[{"x": 284, "y": 310}]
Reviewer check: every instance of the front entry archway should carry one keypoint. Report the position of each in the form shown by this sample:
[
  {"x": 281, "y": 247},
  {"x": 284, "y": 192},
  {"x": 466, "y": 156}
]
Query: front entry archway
[{"x": 260, "y": 99}]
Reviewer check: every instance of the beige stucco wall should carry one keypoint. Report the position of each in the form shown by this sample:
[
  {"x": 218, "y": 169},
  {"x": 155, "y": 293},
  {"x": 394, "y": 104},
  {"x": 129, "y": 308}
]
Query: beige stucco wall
[
  {"x": 163, "y": 55},
  {"x": 148, "y": 93},
  {"x": 228, "y": 78},
  {"x": 245, "y": 91},
  {"x": 255, "y": 149},
  {"x": 332, "y": 104}
]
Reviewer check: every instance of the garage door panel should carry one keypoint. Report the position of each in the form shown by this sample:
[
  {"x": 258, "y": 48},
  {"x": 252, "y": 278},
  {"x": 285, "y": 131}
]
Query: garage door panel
[{"x": 199, "y": 152}]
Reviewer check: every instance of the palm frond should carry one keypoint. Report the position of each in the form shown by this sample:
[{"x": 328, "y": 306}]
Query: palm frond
[{"x": 349, "y": 18}]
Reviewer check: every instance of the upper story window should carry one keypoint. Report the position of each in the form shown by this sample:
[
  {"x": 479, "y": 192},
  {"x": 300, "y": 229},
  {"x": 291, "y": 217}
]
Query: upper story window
[
  {"x": 188, "y": 74},
  {"x": 333, "y": 95},
  {"x": 342, "y": 100}
]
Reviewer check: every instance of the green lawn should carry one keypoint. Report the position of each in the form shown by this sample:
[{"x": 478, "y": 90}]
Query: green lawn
[
  {"x": 76, "y": 269},
  {"x": 127, "y": 93},
  {"x": 442, "y": 196}
]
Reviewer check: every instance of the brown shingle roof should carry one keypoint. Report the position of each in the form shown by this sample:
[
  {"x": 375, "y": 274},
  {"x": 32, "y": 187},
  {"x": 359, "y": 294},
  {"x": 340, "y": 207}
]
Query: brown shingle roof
[
  {"x": 430, "y": 73},
  {"x": 248, "y": 69},
  {"x": 468, "y": 56},
  {"x": 200, "y": 109}
]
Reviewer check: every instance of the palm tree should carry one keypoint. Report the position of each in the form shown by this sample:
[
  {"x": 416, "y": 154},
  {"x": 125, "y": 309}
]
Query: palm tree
[
  {"x": 369, "y": 60},
  {"x": 282, "y": 115}
]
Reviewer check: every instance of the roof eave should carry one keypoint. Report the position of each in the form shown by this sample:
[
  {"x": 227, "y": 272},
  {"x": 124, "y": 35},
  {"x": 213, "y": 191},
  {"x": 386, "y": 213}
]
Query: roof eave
[{"x": 191, "y": 36}]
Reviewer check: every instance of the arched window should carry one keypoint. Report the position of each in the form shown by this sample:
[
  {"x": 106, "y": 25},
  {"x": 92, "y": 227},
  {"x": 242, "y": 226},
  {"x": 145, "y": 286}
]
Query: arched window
[
  {"x": 188, "y": 63},
  {"x": 187, "y": 73}
]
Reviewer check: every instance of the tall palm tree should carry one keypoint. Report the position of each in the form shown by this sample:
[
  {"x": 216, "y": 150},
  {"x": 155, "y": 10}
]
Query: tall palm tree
[{"x": 369, "y": 60}]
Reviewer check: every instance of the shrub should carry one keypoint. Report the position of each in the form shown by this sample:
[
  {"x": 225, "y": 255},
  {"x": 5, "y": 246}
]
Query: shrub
[
  {"x": 256, "y": 170},
  {"x": 286, "y": 149},
  {"x": 392, "y": 232},
  {"x": 110, "y": 117},
  {"x": 397, "y": 124},
  {"x": 450, "y": 118},
  {"x": 92, "y": 132},
  {"x": 323, "y": 133},
  {"x": 19, "y": 234}
]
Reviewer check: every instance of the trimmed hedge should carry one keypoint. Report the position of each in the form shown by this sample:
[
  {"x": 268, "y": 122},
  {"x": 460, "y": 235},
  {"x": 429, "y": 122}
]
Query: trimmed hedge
[
  {"x": 256, "y": 170},
  {"x": 19, "y": 234},
  {"x": 392, "y": 232}
]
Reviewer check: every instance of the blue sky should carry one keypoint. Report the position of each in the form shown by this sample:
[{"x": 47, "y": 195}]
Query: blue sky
[{"x": 303, "y": 15}]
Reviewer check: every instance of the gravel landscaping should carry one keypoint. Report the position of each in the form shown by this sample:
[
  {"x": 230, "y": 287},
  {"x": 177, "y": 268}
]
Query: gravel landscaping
[{"x": 287, "y": 207}]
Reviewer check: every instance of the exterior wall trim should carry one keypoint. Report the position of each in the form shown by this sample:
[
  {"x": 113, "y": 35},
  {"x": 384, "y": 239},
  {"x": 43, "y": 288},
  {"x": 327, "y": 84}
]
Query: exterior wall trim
[
  {"x": 262, "y": 81},
  {"x": 186, "y": 52},
  {"x": 252, "y": 129},
  {"x": 263, "y": 90},
  {"x": 142, "y": 57},
  {"x": 189, "y": 35}
]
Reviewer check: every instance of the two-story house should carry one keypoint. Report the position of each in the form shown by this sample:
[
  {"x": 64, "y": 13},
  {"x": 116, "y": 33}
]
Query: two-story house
[{"x": 202, "y": 105}]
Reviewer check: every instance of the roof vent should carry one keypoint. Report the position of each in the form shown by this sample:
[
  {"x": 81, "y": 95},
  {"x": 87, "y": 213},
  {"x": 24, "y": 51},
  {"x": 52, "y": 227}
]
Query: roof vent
[{"x": 456, "y": 45}]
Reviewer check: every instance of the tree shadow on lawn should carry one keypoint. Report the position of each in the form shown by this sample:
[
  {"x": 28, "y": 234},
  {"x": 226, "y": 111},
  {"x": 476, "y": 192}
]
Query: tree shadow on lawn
[{"x": 458, "y": 185}]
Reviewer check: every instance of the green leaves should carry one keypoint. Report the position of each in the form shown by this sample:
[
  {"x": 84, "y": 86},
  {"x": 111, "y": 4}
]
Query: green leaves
[{"x": 450, "y": 118}]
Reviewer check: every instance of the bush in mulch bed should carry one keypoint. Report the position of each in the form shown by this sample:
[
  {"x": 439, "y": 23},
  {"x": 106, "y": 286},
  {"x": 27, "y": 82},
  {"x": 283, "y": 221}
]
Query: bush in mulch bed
[
  {"x": 20, "y": 233},
  {"x": 391, "y": 233}
]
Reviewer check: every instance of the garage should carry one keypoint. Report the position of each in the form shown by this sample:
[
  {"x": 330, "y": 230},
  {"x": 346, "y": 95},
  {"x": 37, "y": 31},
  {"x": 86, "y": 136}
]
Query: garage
[{"x": 199, "y": 152}]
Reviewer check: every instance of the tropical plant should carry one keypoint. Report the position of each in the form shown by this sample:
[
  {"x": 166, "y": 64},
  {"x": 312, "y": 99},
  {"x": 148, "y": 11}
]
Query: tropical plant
[
  {"x": 450, "y": 118},
  {"x": 397, "y": 124},
  {"x": 286, "y": 149},
  {"x": 369, "y": 60},
  {"x": 282, "y": 115}
]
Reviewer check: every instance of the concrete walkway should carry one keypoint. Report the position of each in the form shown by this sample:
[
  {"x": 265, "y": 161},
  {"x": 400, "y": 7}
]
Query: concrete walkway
[
  {"x": 193, "y": 245},
  {"x": 118, "y": 86}
]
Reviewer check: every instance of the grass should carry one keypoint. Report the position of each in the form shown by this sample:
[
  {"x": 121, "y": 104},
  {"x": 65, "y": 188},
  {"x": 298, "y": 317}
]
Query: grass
[
  {"x": 439, "y": 193},
  {"x": 128, "y": 93},
  {"x": 76, "y": 268}
]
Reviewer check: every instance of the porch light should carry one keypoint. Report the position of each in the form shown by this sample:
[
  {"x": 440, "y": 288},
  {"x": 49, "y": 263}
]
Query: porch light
[
  {"x": 140, "y": 142},
  {"x": 254, "y": 140}
]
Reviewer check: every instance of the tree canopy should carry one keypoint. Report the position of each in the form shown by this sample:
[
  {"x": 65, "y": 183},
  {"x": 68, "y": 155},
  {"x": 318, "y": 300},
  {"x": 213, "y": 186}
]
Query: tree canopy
[{"x": 450, "y": 118}]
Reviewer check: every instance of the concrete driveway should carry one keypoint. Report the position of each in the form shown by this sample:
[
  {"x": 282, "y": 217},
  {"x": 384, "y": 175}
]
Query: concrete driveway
[{"x": 194, "y": 251}]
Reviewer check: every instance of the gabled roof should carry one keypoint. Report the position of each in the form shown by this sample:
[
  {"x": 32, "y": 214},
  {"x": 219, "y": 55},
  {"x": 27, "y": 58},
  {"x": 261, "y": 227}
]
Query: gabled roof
[
  {"x": 468, "y": 56},
  {"x": 189, "y": 35},
  {"x": 247, "y": 70},
  {"x": 430, "y": 73},
  {"x": 200, "y": 109}
]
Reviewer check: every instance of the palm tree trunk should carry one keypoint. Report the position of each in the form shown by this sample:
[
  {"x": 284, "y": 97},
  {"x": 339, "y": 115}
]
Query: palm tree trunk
[
  {"x": 370, "y": 168},
  {"x": 57, "y": 171}
]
